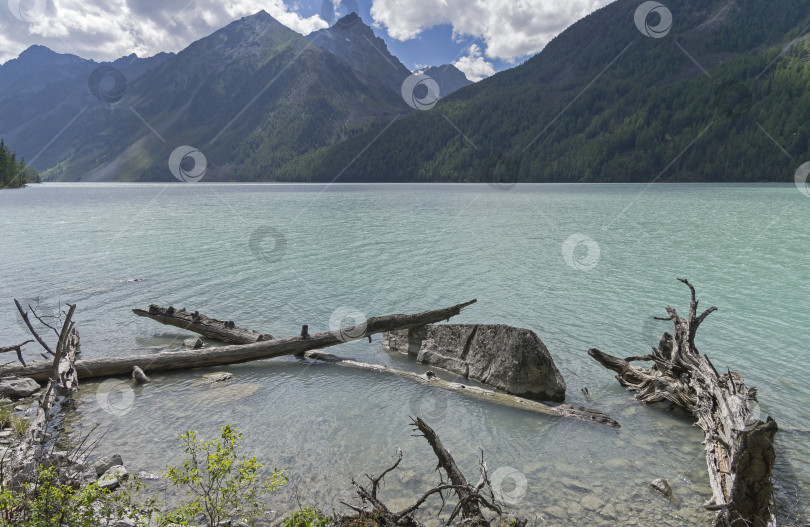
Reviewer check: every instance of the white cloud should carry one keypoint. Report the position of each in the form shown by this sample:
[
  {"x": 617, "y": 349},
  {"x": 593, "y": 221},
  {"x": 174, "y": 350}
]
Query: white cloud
[
  {"x": 474, "y": 65},
  {"x": 510, "y": 29},
  {"x": 114, "y": 28}
]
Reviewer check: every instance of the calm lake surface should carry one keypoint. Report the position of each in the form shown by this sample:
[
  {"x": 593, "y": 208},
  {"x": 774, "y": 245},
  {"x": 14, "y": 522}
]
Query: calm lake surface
[{"x": 582, "y": 265}]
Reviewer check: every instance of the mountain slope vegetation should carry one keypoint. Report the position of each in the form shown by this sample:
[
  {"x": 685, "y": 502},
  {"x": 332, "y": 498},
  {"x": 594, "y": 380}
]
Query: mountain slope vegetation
[{"x": 722, "y": 97}]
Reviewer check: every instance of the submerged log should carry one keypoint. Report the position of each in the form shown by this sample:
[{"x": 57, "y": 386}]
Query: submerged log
[
  {"x": 225, "y": 331},
  {"x": 739, "y": 446},
  {"x": 176, "y": 360},
  {"x": 482, "y": 394}
]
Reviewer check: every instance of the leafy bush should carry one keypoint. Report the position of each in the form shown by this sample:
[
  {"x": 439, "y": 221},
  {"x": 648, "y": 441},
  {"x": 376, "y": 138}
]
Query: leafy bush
[
  {"x": 308, "y": 517},
  {"x": 221, "y": 487},
  {"x": 53, "y": 500}
]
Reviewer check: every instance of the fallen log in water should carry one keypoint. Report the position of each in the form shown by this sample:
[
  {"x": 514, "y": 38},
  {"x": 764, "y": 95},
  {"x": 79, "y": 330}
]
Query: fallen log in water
[
  {"x": 739, "y": 446},
  {"x": 176, "y": 360},
  {"x": 218, "y": 356},
  {"x": 482, "y": 394},
  {"x": 205, "y": 326}
]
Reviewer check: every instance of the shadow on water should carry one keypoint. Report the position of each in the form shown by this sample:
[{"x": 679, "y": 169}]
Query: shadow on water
[{"x": 791, "y": 496}]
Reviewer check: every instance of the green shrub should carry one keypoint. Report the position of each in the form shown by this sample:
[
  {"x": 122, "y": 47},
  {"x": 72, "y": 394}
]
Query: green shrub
[
  {"x": 54, "y": 501},
  {"x": 220, "y": 486},
  {"x": 308, "y": 517}
]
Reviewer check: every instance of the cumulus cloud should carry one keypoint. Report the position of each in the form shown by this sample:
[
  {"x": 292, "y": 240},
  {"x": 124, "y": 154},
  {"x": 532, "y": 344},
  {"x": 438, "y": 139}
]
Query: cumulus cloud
[
  {"x": 510, "y": 29},
  {"x": 474, "y": 65},
  {"x": 506, "y": 29},
  {"x": 114, "y": 28}
]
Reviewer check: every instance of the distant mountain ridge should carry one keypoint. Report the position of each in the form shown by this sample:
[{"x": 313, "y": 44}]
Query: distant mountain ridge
[
  {"x": 357, "y": 45},
  {"x": 252, "y": 97},
  {"x": 718, "y": 96},
  {"x": 448, "y": 77},
  {"x": 721, "y": 95}
]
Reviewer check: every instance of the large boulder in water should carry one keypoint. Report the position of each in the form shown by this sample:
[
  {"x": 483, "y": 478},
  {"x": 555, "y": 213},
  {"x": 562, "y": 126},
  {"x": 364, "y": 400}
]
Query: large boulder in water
[{"x": 511, "y": 359}]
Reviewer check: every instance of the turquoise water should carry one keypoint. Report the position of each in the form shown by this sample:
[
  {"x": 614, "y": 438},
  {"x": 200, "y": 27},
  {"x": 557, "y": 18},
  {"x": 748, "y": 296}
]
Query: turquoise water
[{"x": 373, "y": 249}]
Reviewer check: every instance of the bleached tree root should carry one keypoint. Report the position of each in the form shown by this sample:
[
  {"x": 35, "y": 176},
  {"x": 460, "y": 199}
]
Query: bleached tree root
[{"x": 739, "y": 446}]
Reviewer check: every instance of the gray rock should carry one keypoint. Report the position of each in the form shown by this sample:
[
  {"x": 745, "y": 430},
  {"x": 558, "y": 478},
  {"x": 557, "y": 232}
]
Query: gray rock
[
  {"x": 17, "y": 387},
  {"x": 106, "y": 463},
  {"x": 113, "y": 477},
  {"x": 511, "y": 359},
  {"x": 147, "y": 475},
  {"x": 219, "y": 376},
  {"x": 193, "y": 343},
  {"x": 661, "y": 485},
  {"x": 139, "y": 376}
]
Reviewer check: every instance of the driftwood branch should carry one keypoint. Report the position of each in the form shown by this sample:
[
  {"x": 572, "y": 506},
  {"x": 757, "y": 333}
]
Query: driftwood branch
[
  {"x": 24, "y": 316},
  {"x": 226, "y": 331},
  {"x": 470, "y": 498},
  {"x": 61, "y": 384},
  {"x": 17, "y": 348},
  {"x": 41, "y": 321},
  {"x": 739, "y": 446}
]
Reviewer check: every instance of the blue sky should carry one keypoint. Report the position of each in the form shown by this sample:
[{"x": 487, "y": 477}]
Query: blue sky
[
  {"x": 434, "y": 46},
  {"x": 479, "y": 36}
]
